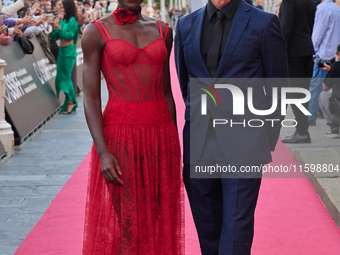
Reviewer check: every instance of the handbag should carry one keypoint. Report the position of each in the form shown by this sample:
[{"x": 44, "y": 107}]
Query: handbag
[
  {"x": 334, "y": 106},
  {"x": 26, "y": 45}
]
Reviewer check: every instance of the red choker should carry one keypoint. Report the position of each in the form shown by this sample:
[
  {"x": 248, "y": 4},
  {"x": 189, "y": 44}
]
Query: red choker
[{"x": 125, "y": 16}]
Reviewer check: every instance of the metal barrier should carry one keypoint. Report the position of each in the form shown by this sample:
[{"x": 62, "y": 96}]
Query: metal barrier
[{"x": 6, "y": 132}]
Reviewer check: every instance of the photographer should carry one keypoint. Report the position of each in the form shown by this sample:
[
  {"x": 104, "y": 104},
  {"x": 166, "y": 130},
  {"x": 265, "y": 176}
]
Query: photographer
[
  {"x": 332, "y": 81},
  {"x": 326, "y": 38}
]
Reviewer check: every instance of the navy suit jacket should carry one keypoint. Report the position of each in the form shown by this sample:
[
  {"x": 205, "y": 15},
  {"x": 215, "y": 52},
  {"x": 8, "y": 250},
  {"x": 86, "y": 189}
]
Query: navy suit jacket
[{"x": 255, "y": 49}]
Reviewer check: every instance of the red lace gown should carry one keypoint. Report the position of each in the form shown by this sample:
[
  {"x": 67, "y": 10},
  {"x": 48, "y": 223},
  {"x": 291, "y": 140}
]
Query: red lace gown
[{"x": 145, "y": 215}]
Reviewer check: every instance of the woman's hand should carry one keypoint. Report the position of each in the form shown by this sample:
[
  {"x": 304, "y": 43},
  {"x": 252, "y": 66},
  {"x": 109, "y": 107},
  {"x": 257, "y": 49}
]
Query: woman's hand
[
  {"x": 3, "y": 39},
  {"x": 33, "y": 10},
  {"x": 17, "y": 30},
  {"x": 27, "y": 20},
  {"x": 56, "y": 23},
  {"x": 2, "y": 28},
  {"x": 110, "y": 169},
  {"x": 45, "y": 17},
  {"x": 60, "y": 15}
]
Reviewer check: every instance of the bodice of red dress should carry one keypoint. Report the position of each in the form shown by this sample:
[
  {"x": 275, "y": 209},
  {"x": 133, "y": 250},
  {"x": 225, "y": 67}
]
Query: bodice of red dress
[{"x": 134, "y": 77}]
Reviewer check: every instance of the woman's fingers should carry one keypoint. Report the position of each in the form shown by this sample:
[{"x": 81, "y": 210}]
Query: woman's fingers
[
  {"x": 117, "y": 166},
  {"x": 111, "y": 169},
  {"x": 111, "y": 176}
]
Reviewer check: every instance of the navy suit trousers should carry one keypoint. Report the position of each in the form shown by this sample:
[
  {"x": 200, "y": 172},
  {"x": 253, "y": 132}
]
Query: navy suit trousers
[{"x": 223, "y": 208}]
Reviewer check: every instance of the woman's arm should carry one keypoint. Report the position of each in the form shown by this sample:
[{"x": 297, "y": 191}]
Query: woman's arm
[
  {"x": 10, "y": 22},
  {"x": 33, "y": 30},
  {"x": 167, "y": 79},
  {"x": 56, "y": 32},
  {"x": 69, "y": 29},
  {"x": 92, "y": 44}
]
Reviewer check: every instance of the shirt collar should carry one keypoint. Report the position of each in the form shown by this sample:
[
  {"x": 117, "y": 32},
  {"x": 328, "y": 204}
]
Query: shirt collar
[{"x": 228, "y": 10}]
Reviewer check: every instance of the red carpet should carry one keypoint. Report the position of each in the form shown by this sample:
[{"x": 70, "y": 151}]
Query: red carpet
[{"x": 290, "y": 217}]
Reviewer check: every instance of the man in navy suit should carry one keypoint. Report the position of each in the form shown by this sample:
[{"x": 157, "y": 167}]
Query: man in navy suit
[{"x": 228, "y": 39}]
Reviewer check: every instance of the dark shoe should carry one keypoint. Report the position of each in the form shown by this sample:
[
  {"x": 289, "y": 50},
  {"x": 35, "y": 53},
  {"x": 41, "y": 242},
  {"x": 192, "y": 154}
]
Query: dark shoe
[
  {"x": 311, "y": 123},
  {"x": 334, "y": 133},
  {"x": 296, "y": 138}
]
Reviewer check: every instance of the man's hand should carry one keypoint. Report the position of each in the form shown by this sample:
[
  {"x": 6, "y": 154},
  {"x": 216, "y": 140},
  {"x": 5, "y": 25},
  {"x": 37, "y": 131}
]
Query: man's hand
[
  {"x": 326, "y": 67},
  {"x": 42, "y": 19},
  {"x": 27, "y": 20},
  {"x": 110, "y": 169},
  {"x": 3, "y": 39}
]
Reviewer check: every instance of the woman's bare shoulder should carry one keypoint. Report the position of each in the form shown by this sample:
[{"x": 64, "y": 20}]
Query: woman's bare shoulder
[
  {"x": 92, "y": 37},
  {"x": 108, "y": 20}
]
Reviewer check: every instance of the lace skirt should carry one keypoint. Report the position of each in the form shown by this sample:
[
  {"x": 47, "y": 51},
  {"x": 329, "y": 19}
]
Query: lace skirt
[{"x": 145, "y": 216}]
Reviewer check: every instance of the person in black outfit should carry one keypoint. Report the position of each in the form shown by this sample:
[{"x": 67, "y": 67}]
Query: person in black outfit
[
  {"x": 332, "y": 81},
  {"x": 297, "y": 20}
]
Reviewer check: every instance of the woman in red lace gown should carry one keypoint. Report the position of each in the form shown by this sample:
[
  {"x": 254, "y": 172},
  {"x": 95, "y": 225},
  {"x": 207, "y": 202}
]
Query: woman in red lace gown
[{"x": 134, "y": 200}]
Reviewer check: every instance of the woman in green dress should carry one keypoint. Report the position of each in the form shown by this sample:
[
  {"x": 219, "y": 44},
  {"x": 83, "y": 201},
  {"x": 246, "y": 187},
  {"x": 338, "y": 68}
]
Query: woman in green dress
[{"x": 67, "y": 30}]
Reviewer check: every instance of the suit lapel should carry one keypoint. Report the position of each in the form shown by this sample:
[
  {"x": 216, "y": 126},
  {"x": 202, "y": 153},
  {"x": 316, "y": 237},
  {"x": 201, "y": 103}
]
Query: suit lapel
[
  {"x": 239, "y": 24},
  {"x": 196, "y": 33}
]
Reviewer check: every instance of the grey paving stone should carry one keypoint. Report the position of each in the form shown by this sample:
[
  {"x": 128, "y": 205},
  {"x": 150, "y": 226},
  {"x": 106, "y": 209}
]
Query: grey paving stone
[
  {"x": 332, "y": 187},
  {"x": 53, "y": 179},
  {"x": 13, "y": 234},
  {"x": 4, "y": 216},
  {"x": 37, "y": 201},
  {"x": 11, "y": 201},
  {"x": 17, "y": 191},
  {"x": 23, "y": 219},
  {"x": 23, "y": 178},
  {"x": 47, "y": 190},
  {"x": 8, "y": 250}
]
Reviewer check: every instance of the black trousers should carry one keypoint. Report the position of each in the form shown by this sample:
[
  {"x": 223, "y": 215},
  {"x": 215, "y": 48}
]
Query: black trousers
[{"x": 300, "y": 72}]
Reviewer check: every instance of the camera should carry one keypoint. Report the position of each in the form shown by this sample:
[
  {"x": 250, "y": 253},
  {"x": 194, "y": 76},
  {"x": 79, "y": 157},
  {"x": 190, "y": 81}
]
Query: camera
[{"x": 321, "y": 63}]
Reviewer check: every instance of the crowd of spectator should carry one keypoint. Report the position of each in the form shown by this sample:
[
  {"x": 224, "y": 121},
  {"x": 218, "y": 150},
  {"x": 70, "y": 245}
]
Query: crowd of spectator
[
  {"x": 26, "y": 18},
  {"x": 22, "y": 19}
]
